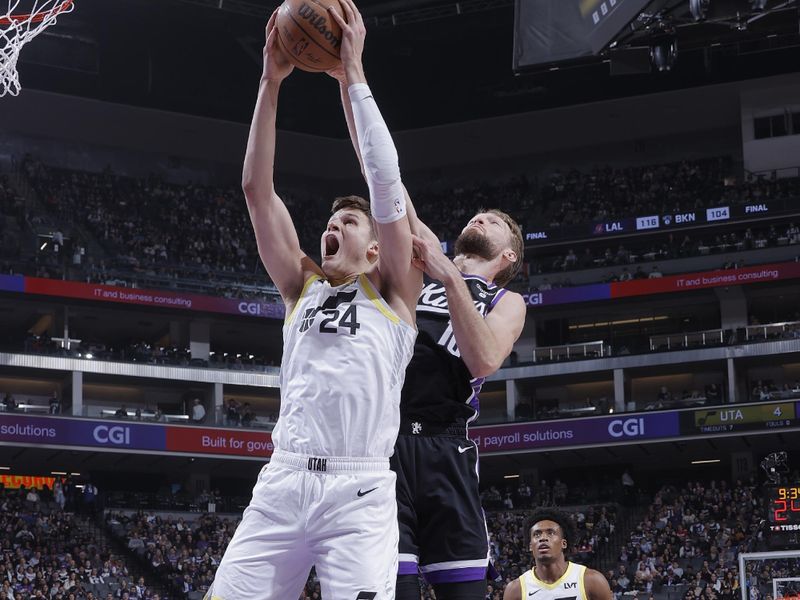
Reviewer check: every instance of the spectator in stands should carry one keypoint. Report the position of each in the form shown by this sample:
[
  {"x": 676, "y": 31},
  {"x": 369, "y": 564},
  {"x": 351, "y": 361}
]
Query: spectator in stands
[
  {"x": 55, "y": 403},
  {"x": 712, "y": 394},
  {"x": 655, "y": 273},
  {"x": 121, "y": 412},
  {"x": 198, "y": 413},
  {"x": 9, "y": 402},
  {"x": 232, "y": 417},
  {"x": 628, "y": 487},
  {"x": 89, "y": 498},
  {"x": 135, "y": 543},
  {"x": 248, "y": 416},
  {"x": 524, "y": 494},
  {"x": 32, "y": 500},
  {"x": 58, "y": 494}
]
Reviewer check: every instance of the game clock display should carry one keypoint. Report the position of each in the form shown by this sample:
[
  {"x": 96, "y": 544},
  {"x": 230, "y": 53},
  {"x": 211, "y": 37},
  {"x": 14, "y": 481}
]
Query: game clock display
[{"x": 783, "y": 514}]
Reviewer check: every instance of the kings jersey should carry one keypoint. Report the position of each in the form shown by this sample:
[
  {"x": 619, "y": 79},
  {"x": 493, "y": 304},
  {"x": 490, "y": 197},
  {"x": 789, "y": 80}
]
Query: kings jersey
[{"x": 439, "y": 387}]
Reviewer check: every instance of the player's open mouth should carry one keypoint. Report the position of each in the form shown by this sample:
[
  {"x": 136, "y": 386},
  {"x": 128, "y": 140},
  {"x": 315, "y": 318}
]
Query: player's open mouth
[
  {"x": 543, "y": 547},
  {"x": 331, "y": 245}
]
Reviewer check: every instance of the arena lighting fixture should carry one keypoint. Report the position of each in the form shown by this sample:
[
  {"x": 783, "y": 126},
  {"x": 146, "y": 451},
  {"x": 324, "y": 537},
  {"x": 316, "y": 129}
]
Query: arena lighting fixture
[
  {"x": 706, "y": 462},
  {"x": 89, "y": 355},
  {"x": 58, "y": 472},
  {"x": 75, "y": 474},
  {"x": 663, "y": 54},
  {"x": 698, "y": 8},
  {"x": 510, "y": 476},
  {"x": 758, "y": 5},
  {"x": 43, "y": 246},
  {"x": 5, "y": 468}
]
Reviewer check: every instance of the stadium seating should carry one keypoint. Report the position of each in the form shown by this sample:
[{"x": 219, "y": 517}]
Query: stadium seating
[
  {"x": 55, "y": 554},
  {"x": 135, "y": 223}
]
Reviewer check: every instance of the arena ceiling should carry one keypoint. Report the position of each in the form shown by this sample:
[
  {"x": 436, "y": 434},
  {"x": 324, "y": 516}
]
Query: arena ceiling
[{"x": 429, "y": 62}]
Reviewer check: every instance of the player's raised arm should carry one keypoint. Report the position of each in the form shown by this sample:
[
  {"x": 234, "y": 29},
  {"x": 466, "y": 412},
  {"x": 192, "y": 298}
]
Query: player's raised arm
[
  {"x": 278, "y": 244},
  {"x": 418, "y": 227},
  {"x": 380, "y": 166}
]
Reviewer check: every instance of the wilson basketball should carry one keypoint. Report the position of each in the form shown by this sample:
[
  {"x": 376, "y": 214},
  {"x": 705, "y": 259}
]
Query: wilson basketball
[{"x": 308, "y": 34}]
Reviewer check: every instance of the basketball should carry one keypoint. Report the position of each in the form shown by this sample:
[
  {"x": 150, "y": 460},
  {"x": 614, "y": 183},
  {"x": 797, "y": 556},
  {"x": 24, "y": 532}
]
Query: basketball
[{"x": 308, "y": 35}]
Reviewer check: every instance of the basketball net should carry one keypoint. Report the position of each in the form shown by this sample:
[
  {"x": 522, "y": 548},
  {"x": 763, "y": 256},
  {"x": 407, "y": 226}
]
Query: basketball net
[{"x": 17, "y": 29}]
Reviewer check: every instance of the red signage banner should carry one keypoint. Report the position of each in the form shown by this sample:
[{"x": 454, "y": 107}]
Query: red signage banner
[
  {"x": 706, "y": 279},
  {"x": 204, "y": 440},
  {"x": 156, "y": 298}
]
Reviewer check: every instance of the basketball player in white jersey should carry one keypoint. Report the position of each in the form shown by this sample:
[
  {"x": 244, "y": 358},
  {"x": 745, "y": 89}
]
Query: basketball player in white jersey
[
  {"x": 327, "y": 497},
  {"x": 553, "y": 577}
]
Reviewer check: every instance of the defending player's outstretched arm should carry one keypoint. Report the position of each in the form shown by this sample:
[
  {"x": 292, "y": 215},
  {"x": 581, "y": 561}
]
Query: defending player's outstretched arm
[
  {"x": 484, "y": 343},
  {"x": 278, "y": 244},
  {"x": 400, "y": 283}
]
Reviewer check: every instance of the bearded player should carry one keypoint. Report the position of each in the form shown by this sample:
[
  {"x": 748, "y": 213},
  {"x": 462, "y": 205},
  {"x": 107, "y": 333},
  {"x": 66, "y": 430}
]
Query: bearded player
[
  {"x": 553, "y": 577},
  {"x": 468, "y": 324},
  {"x": 327, "y": 497}
]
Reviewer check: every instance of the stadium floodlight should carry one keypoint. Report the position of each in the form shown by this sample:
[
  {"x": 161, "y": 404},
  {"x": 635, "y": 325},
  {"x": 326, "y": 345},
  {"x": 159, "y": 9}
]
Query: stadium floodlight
[
  {"x": 664, "y": 53},
  {"x": 758, "y": 5},
  {"x": 699, "y": 8}
]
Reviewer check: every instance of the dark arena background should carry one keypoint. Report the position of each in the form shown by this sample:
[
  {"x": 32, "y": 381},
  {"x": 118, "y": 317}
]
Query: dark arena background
[{"x": 650, "y": 151}]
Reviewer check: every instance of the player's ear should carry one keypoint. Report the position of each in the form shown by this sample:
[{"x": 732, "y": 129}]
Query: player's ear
[
  {"x": 510, "y": 255},
  {"x": 372, "y": 251}
]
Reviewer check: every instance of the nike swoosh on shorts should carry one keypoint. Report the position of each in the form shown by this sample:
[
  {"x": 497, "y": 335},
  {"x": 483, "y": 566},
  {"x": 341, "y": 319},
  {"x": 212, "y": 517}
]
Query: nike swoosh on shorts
[{"x": 462, "y": 450}]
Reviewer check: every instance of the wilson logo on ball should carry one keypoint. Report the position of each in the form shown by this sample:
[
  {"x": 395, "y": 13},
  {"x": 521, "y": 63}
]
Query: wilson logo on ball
[{"x": 320, "y": 23}]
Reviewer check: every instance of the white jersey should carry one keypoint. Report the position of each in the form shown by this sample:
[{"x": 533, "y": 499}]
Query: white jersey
[
  {"x": 345, "y": 354},
  {"x": 568, "y": 587}
]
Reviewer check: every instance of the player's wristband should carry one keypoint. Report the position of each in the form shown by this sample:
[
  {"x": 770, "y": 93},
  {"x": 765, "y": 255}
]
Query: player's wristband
[{"x": 379, "y": 155}]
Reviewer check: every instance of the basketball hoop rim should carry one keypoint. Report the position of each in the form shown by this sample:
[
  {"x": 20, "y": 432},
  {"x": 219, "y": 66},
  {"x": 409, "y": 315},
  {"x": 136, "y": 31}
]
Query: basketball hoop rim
[{"x": 35, "y": 18}]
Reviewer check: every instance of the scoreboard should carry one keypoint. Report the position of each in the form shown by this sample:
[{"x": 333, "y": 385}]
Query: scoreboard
[
  {"x": 605, "y": 19},
  {"x": 734, "y": 418},
  {"x": 783, "y": 515}
]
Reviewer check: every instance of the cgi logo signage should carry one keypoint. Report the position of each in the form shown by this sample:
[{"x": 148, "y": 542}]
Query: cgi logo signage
[
  {"x": 619, "y": 428},
  {"x": 533, "y": 299},
  {"x": 116, "y": 435},
  {"x": 250, "y": 308}
]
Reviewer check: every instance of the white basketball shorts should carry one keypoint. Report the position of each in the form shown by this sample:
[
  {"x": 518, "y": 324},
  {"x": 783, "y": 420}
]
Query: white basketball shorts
[{"x": 338, "y": 514}]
